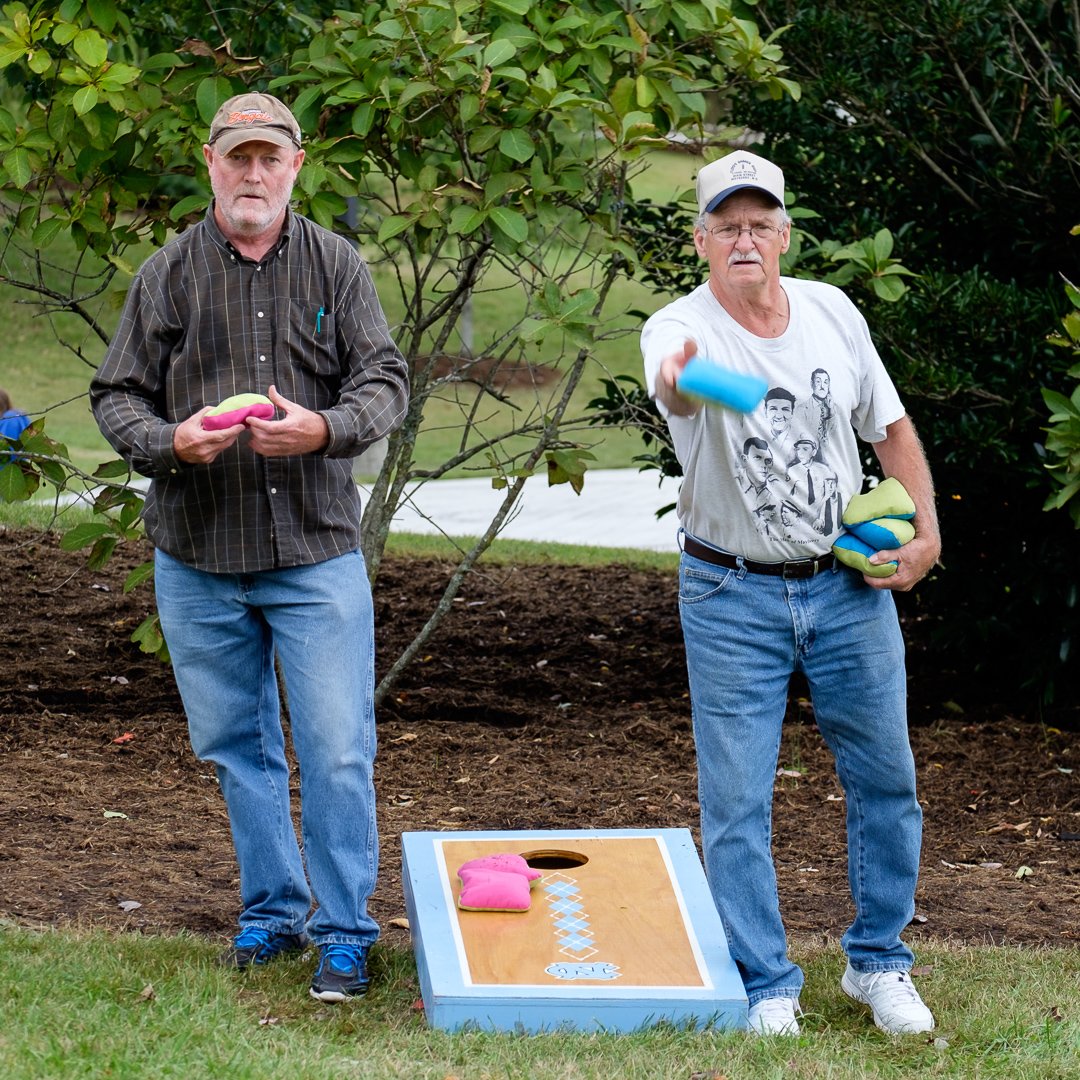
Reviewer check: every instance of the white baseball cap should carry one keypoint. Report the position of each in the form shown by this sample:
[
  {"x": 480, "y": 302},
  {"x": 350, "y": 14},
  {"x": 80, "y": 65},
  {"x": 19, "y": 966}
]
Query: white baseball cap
[{"x": 738, "y": 171}]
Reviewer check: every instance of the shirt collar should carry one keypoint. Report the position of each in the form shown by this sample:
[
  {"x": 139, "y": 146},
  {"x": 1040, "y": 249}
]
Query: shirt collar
[{"x": 289, "y": 228}]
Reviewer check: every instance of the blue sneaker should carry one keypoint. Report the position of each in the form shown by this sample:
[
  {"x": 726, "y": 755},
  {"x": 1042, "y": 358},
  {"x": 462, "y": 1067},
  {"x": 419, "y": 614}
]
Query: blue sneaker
[
  {"x": 258, "y": 946},
  {"x": 342, "y": 973}
]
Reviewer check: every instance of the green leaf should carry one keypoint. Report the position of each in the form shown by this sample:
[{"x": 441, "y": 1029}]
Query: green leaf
[
  {"x": 389, "y": 28},
  {"x": 468, "y": 107},
  {"x": 414, "y": 90},
  {"x": 363, "y": 118},
  {"x": 498, "y": 52},
  {"x": 516, "y": 144},
  {"x": 11, "y": 52},
  {"x": 325, "y": 207},
  {"x": 883, "y": 245},
  {"x": 188, "y": 205},
  {"x": 141, "y": 573},
  {"x": 103, "y": 14},
  {"x": 147, "y": 635},
  {"x": 91, "y": 48},
  {"x": 40, "y": 62},
  {"x": 102, "y": 552},
  {"x": 510, "y": 222},
  {"x": 394, "y": 226},
  {"x": 210, "y": 95},
  {"x": 83, "y": 535},
  {"x": 888, "y": 288},
  {"x": 644, "y": 92},
  {"x": 465, "y": 220},
  {"x": 85, "y": 99},
  {"x": 515, "y": 7},
  {"x": 17, "y": 164},
  {"x": 47, "y": 231},
  {"x": 13, "y": 484},
  {"x": 109, "y": 469}
]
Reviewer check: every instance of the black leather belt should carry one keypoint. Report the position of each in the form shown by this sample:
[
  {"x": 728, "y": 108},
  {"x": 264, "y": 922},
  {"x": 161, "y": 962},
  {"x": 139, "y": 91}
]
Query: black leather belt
[{"x": 793, "y": 568}]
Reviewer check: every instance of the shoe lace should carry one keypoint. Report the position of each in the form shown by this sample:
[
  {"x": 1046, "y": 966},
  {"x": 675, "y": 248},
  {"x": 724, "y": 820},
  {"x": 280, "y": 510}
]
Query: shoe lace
[
  {"x": 777, "y": 1008},
  {"x": 342, "y": 957},
  {"x": 895, "y": 987},
  {"x": 252, "y": 938}
]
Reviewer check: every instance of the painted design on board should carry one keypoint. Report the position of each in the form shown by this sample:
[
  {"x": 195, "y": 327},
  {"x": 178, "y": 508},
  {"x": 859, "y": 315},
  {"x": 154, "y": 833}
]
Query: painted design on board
[{"x": 599, "y": 970}]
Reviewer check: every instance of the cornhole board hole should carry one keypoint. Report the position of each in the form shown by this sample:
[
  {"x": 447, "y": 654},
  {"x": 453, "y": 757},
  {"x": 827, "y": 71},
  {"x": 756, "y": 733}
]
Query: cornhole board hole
[{"x": 621, "y": 933}]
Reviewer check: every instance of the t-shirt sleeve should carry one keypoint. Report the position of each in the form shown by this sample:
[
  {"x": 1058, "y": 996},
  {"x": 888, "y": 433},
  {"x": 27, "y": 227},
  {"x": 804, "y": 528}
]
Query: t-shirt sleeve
[{"x": 879, "y": 402}]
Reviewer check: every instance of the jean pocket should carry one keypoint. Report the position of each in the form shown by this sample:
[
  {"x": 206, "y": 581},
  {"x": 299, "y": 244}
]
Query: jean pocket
[{"x": 696, "y": 585}]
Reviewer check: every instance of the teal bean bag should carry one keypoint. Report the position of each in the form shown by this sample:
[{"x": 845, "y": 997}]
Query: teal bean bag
[
  {"x": 884, "y": 533},
  {"x": 853, "y": 552}
]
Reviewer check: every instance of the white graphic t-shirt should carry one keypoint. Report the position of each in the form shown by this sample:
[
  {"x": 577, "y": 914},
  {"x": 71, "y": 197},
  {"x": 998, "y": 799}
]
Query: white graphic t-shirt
[{"x": 772, "y": 485}]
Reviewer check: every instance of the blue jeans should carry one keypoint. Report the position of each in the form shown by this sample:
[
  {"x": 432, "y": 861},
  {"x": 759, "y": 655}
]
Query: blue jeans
[
  {"x": 745, "y": 635},
  {"x": 223, "y": 631}
]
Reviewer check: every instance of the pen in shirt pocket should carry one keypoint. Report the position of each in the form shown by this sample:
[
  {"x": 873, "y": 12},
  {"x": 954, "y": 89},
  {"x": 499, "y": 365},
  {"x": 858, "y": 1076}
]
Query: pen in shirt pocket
[{"x": 319, "y": 319}]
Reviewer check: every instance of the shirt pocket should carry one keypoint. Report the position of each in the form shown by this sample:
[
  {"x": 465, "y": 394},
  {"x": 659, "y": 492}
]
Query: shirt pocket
[{"x": 313, "y": 342}]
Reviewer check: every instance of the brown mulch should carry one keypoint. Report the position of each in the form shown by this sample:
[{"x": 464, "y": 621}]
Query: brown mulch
[{"x": 552, "y": 697}]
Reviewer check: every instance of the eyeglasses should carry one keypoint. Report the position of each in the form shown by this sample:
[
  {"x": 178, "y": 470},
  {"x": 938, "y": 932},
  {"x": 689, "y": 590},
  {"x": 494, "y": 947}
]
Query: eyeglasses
[{"x": 760, "y": 231}]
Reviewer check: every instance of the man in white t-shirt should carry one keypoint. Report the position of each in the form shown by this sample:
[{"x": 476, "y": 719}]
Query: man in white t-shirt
[{"x": 761, "y": 599}]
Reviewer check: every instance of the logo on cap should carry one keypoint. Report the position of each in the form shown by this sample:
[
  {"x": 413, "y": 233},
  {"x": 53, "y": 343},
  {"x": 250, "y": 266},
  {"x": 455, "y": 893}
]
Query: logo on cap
[
  {"x": 249, "y": 116},
  {"x": 743, "y": 170}
]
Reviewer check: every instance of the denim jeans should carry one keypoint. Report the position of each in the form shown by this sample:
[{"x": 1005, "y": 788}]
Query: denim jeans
[
  {"x": 745, "y": 635},
  {"x": 223, "y": 631}
]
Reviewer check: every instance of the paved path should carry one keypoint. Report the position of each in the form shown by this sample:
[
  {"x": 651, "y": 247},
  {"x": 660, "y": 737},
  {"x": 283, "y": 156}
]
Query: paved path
[{"x": 616, "y": 508}]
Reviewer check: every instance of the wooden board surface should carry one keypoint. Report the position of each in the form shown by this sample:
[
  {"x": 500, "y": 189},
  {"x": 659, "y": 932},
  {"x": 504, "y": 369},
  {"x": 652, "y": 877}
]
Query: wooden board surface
[{"x": 618, "y": 910}]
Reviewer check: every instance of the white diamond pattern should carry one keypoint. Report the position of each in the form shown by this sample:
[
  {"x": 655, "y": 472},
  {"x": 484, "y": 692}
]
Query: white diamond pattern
[{"x": 570, "y": 918}]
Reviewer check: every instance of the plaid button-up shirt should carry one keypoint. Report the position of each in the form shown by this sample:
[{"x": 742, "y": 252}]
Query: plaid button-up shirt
[{"x": 201, "y": 323}]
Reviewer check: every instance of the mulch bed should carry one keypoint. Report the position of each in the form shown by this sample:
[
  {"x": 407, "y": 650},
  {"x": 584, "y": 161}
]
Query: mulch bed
[{"x": 552, "y": 697}]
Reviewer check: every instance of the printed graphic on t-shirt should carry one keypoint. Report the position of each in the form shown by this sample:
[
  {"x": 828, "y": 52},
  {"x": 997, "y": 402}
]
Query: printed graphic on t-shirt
[{"x": 784, "y": 474}]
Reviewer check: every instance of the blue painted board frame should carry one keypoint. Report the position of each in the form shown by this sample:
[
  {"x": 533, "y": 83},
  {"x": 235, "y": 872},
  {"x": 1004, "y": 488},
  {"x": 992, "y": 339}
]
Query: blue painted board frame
[{"x": 453, "y": 1002}]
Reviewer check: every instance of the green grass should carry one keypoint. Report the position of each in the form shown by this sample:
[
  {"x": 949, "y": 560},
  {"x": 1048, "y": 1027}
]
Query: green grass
[{"x": 76, "y": 1004}]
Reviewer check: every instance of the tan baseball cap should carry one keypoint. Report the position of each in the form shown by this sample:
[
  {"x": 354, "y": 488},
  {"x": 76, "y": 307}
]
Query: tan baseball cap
[
  {"x": 254, "y": 117},
  {"x": 738, "y": 171}
]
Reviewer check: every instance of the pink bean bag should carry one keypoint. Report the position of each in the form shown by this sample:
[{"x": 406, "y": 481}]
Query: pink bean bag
[
  {"x": 236, "y": 410},
  {"x": 496, "y": 883}
]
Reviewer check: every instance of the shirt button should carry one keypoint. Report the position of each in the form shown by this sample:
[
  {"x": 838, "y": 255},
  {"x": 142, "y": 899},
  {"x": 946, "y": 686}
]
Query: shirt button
[
  {"x": 273, "y": 491},
  {"x": 263, "y": 359},
  {"x": 260, "y": 314}
]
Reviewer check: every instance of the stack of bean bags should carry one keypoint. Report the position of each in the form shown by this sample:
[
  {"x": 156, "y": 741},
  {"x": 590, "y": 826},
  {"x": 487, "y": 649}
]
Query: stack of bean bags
[
  {"x": 496, "y": 883},
  {"x": 880, "y": 520}
]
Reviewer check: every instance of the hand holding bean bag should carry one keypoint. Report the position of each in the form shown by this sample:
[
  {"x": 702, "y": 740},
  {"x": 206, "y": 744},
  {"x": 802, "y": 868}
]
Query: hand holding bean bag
[
  {"x": 716, "y": 385},
  {"x": 236, "y": 410},
  {"x": 853, "y": 552},
  {"x": 880, "y": 520}
]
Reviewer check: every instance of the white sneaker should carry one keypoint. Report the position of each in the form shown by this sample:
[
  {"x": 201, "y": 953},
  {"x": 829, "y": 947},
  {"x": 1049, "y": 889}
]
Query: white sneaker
[
  {"x": 892, "y": 997},
  {"x": 774, "y": 1016}
]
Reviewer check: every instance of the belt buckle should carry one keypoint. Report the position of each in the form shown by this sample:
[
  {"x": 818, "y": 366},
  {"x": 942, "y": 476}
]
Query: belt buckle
[{"x": 795, "y": 569}]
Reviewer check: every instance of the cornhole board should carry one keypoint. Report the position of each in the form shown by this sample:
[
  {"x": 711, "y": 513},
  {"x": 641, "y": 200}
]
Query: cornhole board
[{"x": 621, "y": 934}]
